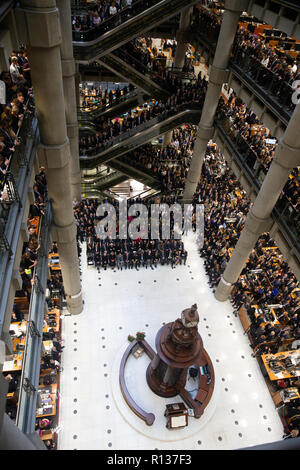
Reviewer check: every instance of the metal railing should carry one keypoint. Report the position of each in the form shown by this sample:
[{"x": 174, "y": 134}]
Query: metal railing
[
  {"x": 285, "y": 213},
  {"x": 140, "y": 128},
  {"x": 273, "y": 91},
  {"x": 111, "y": 22},
  {"x": 270, "y": 84},
  {"x": 17, "y": 160},
  {"x": 26, "y": 411},
  {"x": 102, "y": 108},
  {"x": 21, "y": 169}
]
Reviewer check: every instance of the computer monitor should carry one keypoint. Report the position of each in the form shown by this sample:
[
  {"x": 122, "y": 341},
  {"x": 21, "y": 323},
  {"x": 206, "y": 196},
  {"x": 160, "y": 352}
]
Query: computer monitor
[
  {"x": 251, "y": 28},
  {"x": 276, "y": 33},
  {"x": 267, "y": 32},
  {"x": 287, "y": 46},
  {"x": 297, "y": 46}
]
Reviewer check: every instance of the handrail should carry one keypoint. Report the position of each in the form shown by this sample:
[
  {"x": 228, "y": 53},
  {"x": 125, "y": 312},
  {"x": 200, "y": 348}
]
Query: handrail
[
  {"x": 276, "y": 94},
  {"x": 278, "y": 212},
  {"x": 114, "y": 38},
  {"x": 125, "y": 135},
  {"x": 26, "y": 411},
  {"x": 17, "y": 140},
  {"x": 112, "y": 21},
  {"x": 106, "y": 107}
]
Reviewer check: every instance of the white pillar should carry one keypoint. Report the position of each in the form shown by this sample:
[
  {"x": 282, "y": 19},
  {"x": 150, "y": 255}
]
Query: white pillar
[{"x": 218, "y": 75}]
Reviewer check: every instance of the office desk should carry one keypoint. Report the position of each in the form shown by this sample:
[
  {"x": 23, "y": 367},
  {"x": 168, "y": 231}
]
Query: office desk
[
  {"x": 47, "y": 390},
  {"x": 16, "y": 363},
  {"x": 279, "y": 358},
  {"x": 244, "y": 318},
  {"x": 56, "y": 312},
  {"x": 48, "y": 345}
]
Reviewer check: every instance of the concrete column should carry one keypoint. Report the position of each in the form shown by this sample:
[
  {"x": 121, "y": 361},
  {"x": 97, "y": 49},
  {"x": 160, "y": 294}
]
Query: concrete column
[
  {"x": 77, "y": 82},
  {"x": 185, "y": 20},
  {"x": 11, "y": 438},
  {"x": 218, "y": 75},
  {"x": 69, "y": 84},
  {"x": 41, "y": 17},
  {"x": 286, "y": 157}
]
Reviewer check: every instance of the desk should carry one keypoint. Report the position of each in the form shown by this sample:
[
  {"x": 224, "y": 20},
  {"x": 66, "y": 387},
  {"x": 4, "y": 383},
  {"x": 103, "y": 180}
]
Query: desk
[
  {"x": 244, "y": 318},
  {"x": 46, "y": 435},
  {"x": 51, "y": 391},
  {"x": 19, "y": 328},
  {"x": 54, "y": 311},
  {"x": 16, "y": 363},
  {"x": 53, "y": 262},
  {"x": 48, "y": 345},
  {"x": 279, "y": 358}
]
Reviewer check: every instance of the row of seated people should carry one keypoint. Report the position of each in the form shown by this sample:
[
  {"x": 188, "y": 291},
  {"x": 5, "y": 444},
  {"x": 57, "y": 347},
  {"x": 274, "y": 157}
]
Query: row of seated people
[
  {"x": 114, "y": 254},
  {"x": 242, "y": 124},
  {"x": 97, "y": 12},
  {"x": 108, "y": 128},
  {"x": 128, "y": 253},
  {"x": 170, "y": 163},
  {"x": 18, "y": 101}
]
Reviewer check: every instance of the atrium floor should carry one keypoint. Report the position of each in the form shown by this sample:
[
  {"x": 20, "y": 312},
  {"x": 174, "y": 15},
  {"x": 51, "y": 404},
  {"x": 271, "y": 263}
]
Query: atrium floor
[{"x": 93, "y": 414}]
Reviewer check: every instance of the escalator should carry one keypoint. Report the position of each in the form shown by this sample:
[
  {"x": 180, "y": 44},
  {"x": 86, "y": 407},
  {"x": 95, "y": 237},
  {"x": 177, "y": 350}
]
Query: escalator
[
  {"x": 124, "y": 26},
  {"x": 130, "y": 168},
  {"x": 111, "y": 110},
  {"x": 102, "y": 182},
  {"x": 119, "y": 64},
  {"x": 141, "y": 134}
]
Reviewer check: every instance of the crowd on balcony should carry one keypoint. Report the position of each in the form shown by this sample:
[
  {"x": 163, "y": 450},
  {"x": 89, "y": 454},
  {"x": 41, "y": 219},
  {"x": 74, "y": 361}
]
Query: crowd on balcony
[
  {"x": 256, "y": 144},
  {"x": 96, "y": 98},
  {"x": 107, "y": 129},
  {"x": 266, "y": 283},
  {"x": 18, "y": 101},
  {"x": 286, "y": 70},
  {"x": 169, "y": 163},
  {"x": 273, "y": 69},
  {"x": 245, "y": 126},
  {"x": 117, "y": 253},
  {"x": 97, "y": 12},
  {"x": 266, "y": 279}
]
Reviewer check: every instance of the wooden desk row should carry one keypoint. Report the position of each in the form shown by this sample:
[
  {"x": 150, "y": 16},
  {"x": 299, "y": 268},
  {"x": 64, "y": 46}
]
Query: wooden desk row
[{"x": 269, "y": 361}]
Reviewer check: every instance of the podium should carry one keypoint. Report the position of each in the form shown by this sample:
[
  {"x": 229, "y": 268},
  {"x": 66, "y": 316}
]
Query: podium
[{"x": 177, "y": 415}]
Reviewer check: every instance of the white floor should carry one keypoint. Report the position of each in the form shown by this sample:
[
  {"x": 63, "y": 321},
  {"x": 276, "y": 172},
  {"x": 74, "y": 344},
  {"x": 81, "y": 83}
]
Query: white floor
[{"x": 93, "y": 414}]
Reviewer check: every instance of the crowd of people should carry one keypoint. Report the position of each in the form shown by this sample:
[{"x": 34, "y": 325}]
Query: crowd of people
[
  {"x": 265, "y": 281},
  {"x": 107, "y": 129},
  {"x": 246, "y": 127},
  {"x": 118, "y": 253},
  {"x": 102, "y": 98},
  {"x": 273, "y": 69},
  {"x": 97, "y": 12},
  {"x": 169, "y": 163},
  {"x": 257, "y": 146},
  {"x": 18, "y": 101},
  {"x": 256, "y": 47}
]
